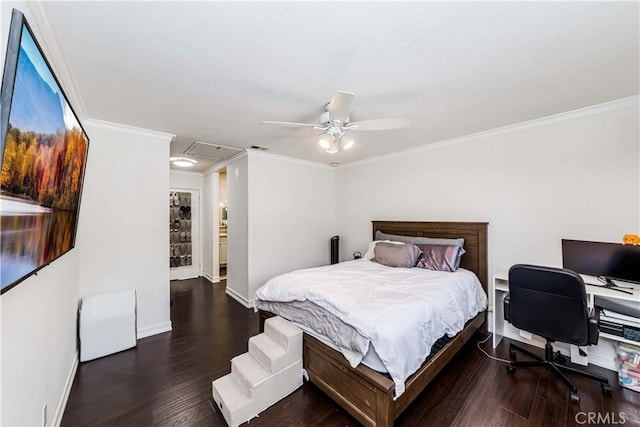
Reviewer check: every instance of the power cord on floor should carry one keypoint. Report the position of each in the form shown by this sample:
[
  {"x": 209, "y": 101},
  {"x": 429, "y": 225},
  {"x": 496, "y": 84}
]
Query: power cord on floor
[{"x": 497, "y": 359}]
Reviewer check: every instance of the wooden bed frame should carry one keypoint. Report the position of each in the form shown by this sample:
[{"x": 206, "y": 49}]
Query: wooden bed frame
[{"x": 367, "y": 394}]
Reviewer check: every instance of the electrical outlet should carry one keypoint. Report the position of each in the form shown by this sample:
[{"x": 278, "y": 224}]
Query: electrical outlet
[{"x": 44, "y": 414}]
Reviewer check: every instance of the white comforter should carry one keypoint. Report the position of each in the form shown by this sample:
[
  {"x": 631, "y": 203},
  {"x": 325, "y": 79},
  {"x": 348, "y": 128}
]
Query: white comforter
[{"x": 400, "y": 311}]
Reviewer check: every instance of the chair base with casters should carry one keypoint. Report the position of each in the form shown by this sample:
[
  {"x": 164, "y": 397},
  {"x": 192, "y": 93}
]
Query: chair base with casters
[{"x": 555, "y": 362}]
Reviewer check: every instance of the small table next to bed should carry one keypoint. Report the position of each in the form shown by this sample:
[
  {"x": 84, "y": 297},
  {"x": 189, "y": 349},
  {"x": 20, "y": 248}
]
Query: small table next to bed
[{"x": 367, "y": 394}]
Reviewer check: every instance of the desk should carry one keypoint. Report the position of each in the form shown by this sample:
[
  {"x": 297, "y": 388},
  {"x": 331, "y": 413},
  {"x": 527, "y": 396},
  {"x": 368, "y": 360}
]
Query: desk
[{"x": 499, "y": 288}]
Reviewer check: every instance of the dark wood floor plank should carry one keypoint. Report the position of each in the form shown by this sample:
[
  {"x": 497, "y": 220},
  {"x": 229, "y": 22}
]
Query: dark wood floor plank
[
  {"x": 166, "y": 381},
  {"x": 480, "y": 410},
  {"x": 545, "y": 413},
  {"x": 623, "y": 400},
  {"x": 514, "y": 392},
  {"x": 479, "y": 403},
  {"x": 505, "y": 418},
  {"x": 196, "y": 415},
  {"x": 591, "y": 397},
  {"x": 551, "y": 387},
  {"x": 450, "y": 385}
]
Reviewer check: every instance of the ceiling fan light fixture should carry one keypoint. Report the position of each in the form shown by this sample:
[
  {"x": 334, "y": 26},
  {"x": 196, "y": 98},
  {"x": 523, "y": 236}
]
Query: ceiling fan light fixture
[
  {"x": 333, "y": 148},
  {"x": 183, "y": 162},
  {"x": 347, "y": 142},
  {"x": 325, "y": 141}
]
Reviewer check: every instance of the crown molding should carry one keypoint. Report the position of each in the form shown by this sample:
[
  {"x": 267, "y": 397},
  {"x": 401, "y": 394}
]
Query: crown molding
[
  {"x": 223, "y": 164},
  {"x": 618, "y": 104},
  {"x": 102, "y": 124},
  {"x": 255, "y": 153}
]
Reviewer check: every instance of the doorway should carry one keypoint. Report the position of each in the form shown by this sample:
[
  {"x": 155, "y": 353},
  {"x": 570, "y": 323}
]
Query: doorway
[
  {"x": 222, "y": 230},
  {"x": 184, "y": 233}
]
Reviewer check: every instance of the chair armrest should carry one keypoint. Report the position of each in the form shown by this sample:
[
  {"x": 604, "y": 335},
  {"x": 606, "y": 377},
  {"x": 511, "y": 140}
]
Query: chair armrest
[
  {"x": 594, "y": 325},
  {"x": 506, "y": 308}
]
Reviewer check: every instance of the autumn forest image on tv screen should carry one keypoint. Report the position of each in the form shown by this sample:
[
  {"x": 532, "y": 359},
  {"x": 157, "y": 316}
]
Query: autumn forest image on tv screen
[{"x": 42, "y": 169}]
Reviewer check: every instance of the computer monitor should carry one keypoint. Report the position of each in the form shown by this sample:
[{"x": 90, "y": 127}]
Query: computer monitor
[{"x": 611, "y": 260}]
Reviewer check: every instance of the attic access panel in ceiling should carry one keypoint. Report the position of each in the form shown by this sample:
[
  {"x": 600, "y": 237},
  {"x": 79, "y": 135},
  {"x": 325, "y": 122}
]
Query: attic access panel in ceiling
[{"x": 211, "y": 151}]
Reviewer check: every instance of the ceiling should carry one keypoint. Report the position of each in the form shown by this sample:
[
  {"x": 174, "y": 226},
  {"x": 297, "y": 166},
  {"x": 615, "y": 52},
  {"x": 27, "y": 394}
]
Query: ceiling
[{"x": 212, "y": 71}]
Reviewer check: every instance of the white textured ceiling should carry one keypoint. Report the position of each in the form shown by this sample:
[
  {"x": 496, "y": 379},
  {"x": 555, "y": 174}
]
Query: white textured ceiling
[{"x": 211, "y": 71}]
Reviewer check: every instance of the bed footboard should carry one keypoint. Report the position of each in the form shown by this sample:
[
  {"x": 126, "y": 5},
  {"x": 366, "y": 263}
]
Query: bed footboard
[
  {"x": 366, "y": 394},
  {"x": 363, "y": 392}
]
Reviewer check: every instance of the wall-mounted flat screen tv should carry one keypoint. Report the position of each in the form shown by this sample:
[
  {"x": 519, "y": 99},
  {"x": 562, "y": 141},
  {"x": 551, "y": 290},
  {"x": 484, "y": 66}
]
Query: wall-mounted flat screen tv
[{"x": 44, "y": 152}]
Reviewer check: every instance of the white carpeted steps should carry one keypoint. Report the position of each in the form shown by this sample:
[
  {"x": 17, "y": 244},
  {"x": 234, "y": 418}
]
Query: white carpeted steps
[
  {"x": 269, "y": 353},
  {"x": 236, "y": 406},
  {"x": 271, "y": 370},
  {"x": 284, "y": 333}
]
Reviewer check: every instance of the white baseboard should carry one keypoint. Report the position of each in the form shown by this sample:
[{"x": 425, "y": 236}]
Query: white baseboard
[
  {"x": 62, "y": 404},
  {"x": 211, "y": 278},
  {"x": 236, "y": 296},
  {"x": 153, "y": 330}
]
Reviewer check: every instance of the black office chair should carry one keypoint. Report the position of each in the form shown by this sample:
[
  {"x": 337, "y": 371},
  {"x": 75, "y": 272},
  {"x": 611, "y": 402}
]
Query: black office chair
[{"x": 551, "y": 303}]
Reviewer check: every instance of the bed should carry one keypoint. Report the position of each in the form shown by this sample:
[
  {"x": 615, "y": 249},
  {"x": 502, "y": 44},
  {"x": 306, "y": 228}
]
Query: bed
[{"x": 366, "y": 394}]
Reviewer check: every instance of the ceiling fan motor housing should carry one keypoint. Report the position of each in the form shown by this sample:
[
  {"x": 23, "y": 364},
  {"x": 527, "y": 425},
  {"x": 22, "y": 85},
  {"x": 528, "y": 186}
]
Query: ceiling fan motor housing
[{"x": 325, "y": 119}]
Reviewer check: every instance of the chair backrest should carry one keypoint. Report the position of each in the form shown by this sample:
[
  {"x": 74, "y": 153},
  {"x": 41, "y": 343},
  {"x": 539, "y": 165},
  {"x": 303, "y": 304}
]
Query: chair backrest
[{"x": 550, "y": 302}]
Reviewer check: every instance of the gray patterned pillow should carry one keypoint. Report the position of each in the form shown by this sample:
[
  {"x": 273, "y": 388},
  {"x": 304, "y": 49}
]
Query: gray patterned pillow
[{"x": 419, "y": 239}]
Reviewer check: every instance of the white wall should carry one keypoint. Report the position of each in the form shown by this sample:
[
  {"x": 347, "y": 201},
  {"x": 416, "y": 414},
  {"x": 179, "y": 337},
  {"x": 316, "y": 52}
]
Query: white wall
[
  {"x": 237, "y": 229},
  {"x": 123, "y": 219},
  {"x": 38, "y": 316},
  {"x": 291, "y": 216},
  {"x": 210, "y": 220},
  {"x": 39, "y": 343},
  {"x": 570, "y": 176},
  {"x": 185, "y": 180}
]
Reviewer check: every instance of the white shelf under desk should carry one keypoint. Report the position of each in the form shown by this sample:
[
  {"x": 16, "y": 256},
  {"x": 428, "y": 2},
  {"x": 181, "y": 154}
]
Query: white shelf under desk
[{"x": 500, "y": 288}]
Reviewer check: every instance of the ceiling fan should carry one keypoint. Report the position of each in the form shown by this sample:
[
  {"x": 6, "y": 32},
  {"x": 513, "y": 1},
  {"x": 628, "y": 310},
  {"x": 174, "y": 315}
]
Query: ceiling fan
[{"x": 336, "y": 127}]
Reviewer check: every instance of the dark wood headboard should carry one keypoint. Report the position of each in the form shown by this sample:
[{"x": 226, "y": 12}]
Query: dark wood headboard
[{"x": 473, "y": 233}]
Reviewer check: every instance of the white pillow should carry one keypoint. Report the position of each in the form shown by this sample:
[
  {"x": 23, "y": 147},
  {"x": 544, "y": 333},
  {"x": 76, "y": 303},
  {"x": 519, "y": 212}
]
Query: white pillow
[{"x": 370, "y": 254}]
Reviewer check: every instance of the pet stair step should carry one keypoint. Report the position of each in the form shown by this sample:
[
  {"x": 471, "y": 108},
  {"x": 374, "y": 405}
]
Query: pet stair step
[
  {"x": 269, "y": 354},
  {"x": 235, "y": 405},
  {"x": 285, "y": 334},
  {"x": 248, "y": 373},
  {"x": 280, "y": 385}
]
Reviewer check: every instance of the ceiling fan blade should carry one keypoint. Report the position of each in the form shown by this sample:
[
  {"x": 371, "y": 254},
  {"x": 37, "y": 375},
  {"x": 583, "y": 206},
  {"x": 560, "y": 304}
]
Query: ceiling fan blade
[
  {"x": 340, "y": 105},
  {"x": 380, "y": 124},
  {"x": 289, "y": 124}
]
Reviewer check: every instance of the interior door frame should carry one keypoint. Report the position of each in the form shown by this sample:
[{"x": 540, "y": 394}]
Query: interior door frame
[{"x": 181, "y": 273}]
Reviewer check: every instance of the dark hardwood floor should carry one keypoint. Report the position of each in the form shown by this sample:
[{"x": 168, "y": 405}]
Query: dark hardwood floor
[{"x": 166, "y": 381}]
